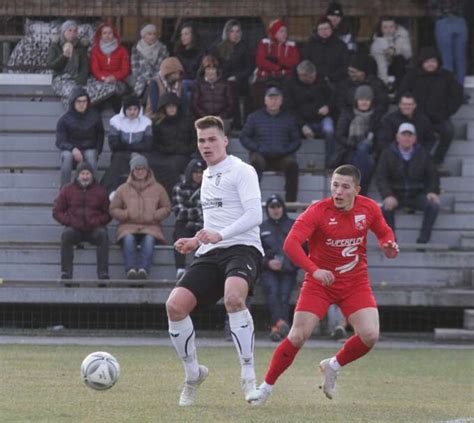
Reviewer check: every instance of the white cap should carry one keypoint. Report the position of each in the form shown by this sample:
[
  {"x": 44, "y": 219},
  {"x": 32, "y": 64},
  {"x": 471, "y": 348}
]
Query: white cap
[{"x": 406, "y": 127}]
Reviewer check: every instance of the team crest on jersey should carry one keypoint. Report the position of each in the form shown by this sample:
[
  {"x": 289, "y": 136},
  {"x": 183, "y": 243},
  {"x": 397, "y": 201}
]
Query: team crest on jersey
[
  {"x": 332, "y": 221},
  {"x": 218, "y": 179},
  {"x": 360, "y": 222}
]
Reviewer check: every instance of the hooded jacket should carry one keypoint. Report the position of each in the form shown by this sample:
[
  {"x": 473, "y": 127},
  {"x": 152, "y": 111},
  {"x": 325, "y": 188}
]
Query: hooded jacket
[
  {"x": 117, "y": 64},
  {"x": 173, "y": 134},
  {"x": 82, "y": 208},
  {"x": 186, "y": 199},
  {"x": 273, "y": 234},
  {"x": 131, "y": 135},
  {"x": 140, "y": 207},
  {"x": 437, "y": 93},
  {"x": 84, "y": 131}
]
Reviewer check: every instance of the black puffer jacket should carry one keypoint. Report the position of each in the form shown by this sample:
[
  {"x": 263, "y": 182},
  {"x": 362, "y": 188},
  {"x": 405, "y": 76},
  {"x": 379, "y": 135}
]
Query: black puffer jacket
[
  {"x": 191, "y": 60},
  {"x": 406, "y": 179},
  {"x": 273, "y": 234},
  {"x": 80, "y": 130}
]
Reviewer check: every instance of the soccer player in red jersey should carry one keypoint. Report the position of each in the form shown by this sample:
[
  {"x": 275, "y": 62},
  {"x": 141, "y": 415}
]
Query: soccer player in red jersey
[{"x": 336, "y": 273}]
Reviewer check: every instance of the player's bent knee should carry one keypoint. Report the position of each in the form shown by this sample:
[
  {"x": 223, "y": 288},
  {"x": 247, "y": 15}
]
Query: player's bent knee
[
  {"x": 233, "y": 302},
  {"x": 298, "y": 337},
  {"x": 175, "y": 309},
  {"x": 370, "y": 337}
]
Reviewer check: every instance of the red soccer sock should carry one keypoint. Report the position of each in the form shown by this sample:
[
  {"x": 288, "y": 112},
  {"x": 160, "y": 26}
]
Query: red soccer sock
[
  {"x": 352, "y": 349},
  {"x": 281, "y": 360}
]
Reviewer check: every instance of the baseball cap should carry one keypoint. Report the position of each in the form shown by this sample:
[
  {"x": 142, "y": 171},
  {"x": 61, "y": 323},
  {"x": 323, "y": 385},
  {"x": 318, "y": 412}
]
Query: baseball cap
[
  {"x": 406, "y": 127},
  {"x": 273, "y": 91}
]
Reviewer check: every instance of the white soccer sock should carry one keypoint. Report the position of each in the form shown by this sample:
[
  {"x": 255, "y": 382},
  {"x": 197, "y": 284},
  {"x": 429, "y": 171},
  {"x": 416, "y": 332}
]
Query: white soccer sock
[
  {"x": 334, "y": 364},
  {"x": 182, "y": 336},
  {"x": 241, "y": 327},
  {"x": 265, "y": 387}
]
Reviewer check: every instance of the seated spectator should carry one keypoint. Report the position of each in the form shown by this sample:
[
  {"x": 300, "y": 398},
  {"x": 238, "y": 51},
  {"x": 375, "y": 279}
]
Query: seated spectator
[
  {"x": 187, "y": 49},
  {"x": 407, "y": 177},
  {"x": 146, "y": 58},
  {"x": 174, "y": 141},
  {"x": 110, "y": 63},
  {"x": 139, "y": 205},
  {"x": 308, "y": 97},
  {"x": 327, "y": 52},
  {"x": 272, "y": 137},
  {"x": 278, "y": 276},
  {"x": 358, "y": 73},
  {"x": 79, "y": 135},
  {"x": 130, "y": 132},
  {"x": 169, "y": 80},
  {"x": 336, "y": 323},
  {"x": 355, "y": 136},
  {"x": 68, "y": 59},
  {"x": 236, "y": 64},
  {"x": 83, "y": 208},
  {"x": 212, "y": 94},
  {"x": 407, "y": 112},
  {"x": 437, "y": 94},
  {"x": 187, "y": 208},
  {"x": 335, "y": 15},
  {"x": 391, "y": 49}
]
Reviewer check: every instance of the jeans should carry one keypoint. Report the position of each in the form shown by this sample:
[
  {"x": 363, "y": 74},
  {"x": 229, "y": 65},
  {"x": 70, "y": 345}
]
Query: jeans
[
  {"x": 98, "y": 237},
  {"x": 67, "y": 164},
  {"x": 451, "y": 38},
  {"x": 278, "y": 287},
  {"x": 420, "y": 202},
  {"x": 188, "y": 87},
  {"x": 326, "y": 129},
  {"x": 445, "y": 130},
  {"x": 363, "y": 160},
  {"x": 133, "y": 258}
]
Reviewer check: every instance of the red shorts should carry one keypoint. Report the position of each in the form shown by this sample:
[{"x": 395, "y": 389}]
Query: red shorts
[{"x": 316, "y": 298}]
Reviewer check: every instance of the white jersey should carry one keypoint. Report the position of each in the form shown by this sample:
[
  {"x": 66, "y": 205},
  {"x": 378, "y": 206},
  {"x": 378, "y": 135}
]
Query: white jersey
[{"x": 225, "y": 187}]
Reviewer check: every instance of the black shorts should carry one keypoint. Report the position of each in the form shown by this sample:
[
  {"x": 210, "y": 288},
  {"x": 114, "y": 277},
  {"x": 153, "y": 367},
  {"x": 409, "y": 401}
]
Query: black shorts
[{"x": 207, "y": 274}]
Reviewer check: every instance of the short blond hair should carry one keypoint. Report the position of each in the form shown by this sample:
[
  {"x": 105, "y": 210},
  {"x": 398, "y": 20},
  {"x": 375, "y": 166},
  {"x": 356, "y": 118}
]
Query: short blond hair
[{"x": 210, "y": 122}]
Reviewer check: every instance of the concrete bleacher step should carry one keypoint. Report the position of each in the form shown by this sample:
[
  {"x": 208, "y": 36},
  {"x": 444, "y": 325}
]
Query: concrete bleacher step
[
  {"x": 467, "y": 241},
  {"x": 467, "y": 167},
  {"x": 468, "y": 322},
  {"x": 470, "y": 131},
  {"x": 453, "y": 335},
  {"x": 462, "y": 148},
  {"x": 31, "y": 108},
  {"x": 26, "y": 92}
]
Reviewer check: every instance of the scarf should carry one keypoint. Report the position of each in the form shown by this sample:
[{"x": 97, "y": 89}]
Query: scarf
[
  {"x": 108, "y": 48},
  {"x": 360, "y": 125},
  {"x": 149, "y": 52}
]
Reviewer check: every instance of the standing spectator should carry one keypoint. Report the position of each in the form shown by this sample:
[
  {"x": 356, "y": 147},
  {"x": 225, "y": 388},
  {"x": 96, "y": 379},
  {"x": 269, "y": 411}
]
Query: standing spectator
[
  {"x": 407, "y": 111},
  {"x": 147, "y": 56},
  {"x": 308, "y": 96},
  {"x": 278, "y": 272},
  {"x": 68, "y": 59},
  {"x": 327, "y": 52},
  {"x": 335, "y": 14},
  {"x": 83, "y": 208},
  {"x": 451, "y": 34},
  {"x": 406, "y": 177},
  {"x": 272, "y": 137},
  {"x": 391, "y": 50},
  {"x": 187, "y": 49},
  {"x": 130, "y": 132},
  {"x": 110, "y": 63},
  {"x": 187, "y": 209},
  {"x": 169, "y": 80},
  {"x": 236, "y": 64},
  {"x": 140, "y": 205},
  {"x": 438, "y": 95},
  {"x": 174, "y": 141},
  {"x": 355, "y": 135},
  {"x": 79, "y": 135},
  {"x": 212, "y": 94}
]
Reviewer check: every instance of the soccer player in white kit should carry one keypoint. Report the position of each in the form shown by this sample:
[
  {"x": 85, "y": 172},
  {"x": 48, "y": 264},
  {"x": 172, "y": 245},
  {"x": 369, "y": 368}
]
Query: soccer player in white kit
[{"x": 227, "y": 261}]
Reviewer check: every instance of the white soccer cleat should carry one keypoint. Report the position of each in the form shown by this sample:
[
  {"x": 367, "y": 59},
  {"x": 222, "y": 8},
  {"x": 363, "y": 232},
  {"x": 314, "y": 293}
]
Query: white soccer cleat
[
  {"x": 258, "y": 396},
  {"x": 189, "y": 392},
  {"x": 330, "y": 376},
  {"x": 248, "y": 385}
]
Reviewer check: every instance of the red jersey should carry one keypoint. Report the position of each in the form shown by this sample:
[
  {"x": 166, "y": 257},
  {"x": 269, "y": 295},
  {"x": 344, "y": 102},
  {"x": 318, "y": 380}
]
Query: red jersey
[{"x": 337, "y": 239}]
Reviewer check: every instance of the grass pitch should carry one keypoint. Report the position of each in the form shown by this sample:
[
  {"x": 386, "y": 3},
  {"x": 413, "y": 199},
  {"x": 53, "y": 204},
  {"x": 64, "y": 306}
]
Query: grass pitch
[{"x": 42, "y": 384}]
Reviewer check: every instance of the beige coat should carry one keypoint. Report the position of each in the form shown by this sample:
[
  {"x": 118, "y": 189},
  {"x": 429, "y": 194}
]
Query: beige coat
[{"x": 140, "y": 206}]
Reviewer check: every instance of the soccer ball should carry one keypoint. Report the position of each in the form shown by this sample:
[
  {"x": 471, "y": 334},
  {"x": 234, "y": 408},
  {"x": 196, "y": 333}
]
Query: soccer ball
[{"x": 100, "y": 370}]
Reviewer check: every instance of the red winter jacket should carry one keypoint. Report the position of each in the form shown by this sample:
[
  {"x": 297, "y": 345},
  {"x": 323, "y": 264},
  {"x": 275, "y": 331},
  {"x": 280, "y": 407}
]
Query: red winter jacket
[
  {"x": 117, "y": 64},
  {"x": 80, "y": 208},
  {"x": 283, "y": 58}
]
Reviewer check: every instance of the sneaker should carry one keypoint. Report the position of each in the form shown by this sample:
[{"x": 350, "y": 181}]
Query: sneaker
[
  {"x": 189, "y": 392},
  {"x": 283, "y": 328},
  {"x": 248, "y": 386},
  {"x": 258, "y": 396},
  {"x": 66, "y": 275},
  {"x": 103, "y": 276},
  {"x": 179, "y": 273},
  {"x": 275, "y": 334},
  {"x": 132, "y": 274},
  {"x": 330, "y": 375},
  {"x": 142, "y": 274},
  {"x": 339, "y": 333}
]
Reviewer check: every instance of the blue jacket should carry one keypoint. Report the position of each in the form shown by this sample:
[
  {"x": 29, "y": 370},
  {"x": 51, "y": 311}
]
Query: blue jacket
[{"x": 272, "y": 136}]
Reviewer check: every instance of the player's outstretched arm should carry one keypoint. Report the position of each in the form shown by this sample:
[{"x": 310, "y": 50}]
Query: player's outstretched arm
[
  {"x": 186, "y": 245},
  {"x": 390, "y": 249},
  {"x": 384, "y": 234}
]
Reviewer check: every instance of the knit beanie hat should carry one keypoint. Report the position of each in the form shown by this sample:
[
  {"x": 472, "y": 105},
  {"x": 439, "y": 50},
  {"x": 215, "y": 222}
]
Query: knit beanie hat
[
  {"x": 138, "y": 160},
  {"x": 363, "y": 92},
  {"x": 84, "y": 166},
  {"x": 274, "y": 26},
  {"x": 147, "y": 28},
  {"x": 334, "y": 9},
  {"x": 130, "y": 101},
  {"x": 66, "y": 25}
]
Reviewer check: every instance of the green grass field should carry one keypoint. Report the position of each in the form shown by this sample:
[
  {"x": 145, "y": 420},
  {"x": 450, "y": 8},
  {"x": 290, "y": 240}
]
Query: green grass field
[{"x": 42, "y": 384}]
